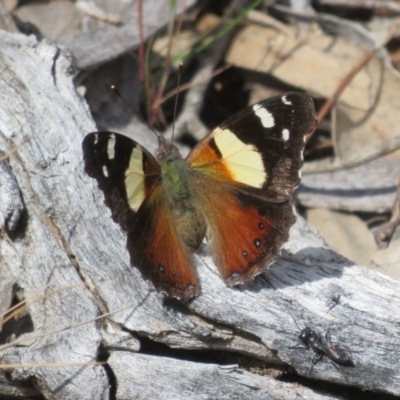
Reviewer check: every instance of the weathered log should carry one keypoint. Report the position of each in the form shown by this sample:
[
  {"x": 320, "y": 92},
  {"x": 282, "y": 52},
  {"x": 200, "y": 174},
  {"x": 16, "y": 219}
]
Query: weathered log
[
  {"x": 66, "y": 248},
  {"x": 189, "y": 380}
]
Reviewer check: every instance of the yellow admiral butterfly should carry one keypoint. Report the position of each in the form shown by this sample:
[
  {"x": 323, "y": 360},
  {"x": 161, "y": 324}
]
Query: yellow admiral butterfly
[{"x": 234, "y": 188}]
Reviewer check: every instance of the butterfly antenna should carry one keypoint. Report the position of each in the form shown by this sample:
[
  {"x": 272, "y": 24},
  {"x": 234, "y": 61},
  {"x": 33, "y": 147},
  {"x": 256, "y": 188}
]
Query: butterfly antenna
[
  {"x": 159, "y": 137},
  {"x": 180, "y": 69}
]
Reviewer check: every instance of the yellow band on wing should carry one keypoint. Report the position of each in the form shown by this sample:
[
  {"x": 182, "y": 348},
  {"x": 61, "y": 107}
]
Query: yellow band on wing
[
  {"x": 111, "y": 146},
  {"x": 134, "y": 180},
  {"x": 242, "y": 160}
]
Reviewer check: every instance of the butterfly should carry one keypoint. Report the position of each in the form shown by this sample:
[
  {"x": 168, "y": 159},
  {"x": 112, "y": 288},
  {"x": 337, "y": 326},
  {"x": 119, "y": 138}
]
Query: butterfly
[{"x": 234, "y": 189}]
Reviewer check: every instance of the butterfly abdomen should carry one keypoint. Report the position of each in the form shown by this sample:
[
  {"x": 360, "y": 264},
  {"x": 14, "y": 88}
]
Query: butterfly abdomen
[{"x": 188, "y": 220}]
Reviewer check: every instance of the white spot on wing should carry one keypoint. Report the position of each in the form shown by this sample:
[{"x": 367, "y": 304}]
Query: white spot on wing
[
  {"x": 111, "y": 147},
  {"x": 286, "y": 101},
  {"x": 267, "y": 119},
  {"x": 96, "y": 138},
  {"x": 285, "y": 134},
  {"x": 243, "y": 160},
  {"x": 134, "y": 180},
  {"x": 105, "y": 172}
]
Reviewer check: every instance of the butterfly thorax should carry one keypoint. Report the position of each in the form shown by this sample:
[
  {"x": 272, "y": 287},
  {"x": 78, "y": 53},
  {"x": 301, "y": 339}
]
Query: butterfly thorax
[{"x": 189, "y": 222}]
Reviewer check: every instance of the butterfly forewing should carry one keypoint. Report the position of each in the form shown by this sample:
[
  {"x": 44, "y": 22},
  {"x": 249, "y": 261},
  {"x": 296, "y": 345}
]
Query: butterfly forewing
[
  {"x": 125, "y": 172},
  {"x": 260, "y": 147}
]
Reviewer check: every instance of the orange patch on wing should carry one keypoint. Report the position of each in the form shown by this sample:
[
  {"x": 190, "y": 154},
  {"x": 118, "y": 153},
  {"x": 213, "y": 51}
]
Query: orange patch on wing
[
  {"x": 244, "y": 240},
  {"x": 206, "y": 158}
]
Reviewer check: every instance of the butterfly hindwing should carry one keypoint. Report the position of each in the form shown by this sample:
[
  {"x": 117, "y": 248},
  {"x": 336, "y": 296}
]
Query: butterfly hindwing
[
  {"x": 157, "y": 250},
  {"x": 247, "y": 169},
  {"x": 130, "y": 179},
  {"x": 245, "y": 234}
]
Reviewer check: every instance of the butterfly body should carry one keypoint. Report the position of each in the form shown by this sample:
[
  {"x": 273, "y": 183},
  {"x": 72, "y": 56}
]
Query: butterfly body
[
  {"x": 234, "y": 188},
  {"x": 176, "y": 180}
]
